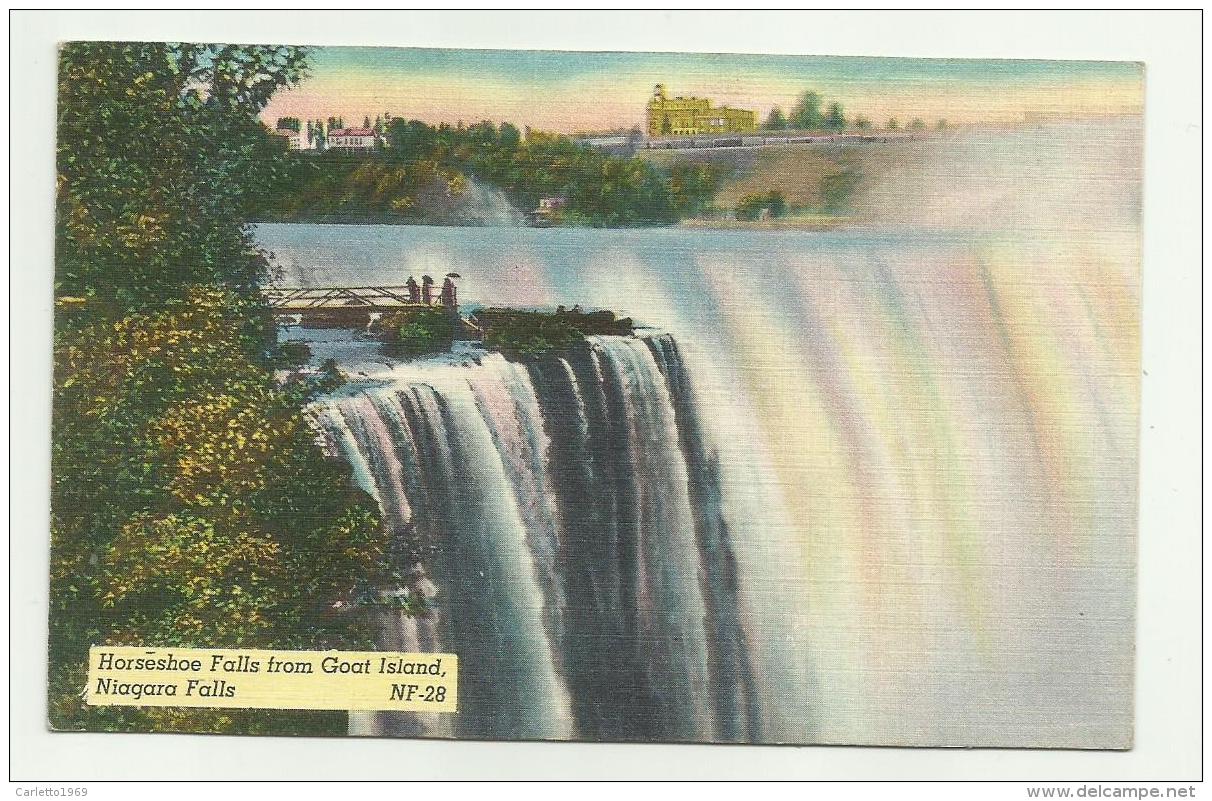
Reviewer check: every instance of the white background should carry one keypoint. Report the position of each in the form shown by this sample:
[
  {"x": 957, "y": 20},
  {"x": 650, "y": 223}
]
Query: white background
[{"x": 1168, "y": 697}]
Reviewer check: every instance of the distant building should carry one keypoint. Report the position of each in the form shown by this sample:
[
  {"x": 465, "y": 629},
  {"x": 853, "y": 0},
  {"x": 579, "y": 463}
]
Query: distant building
[
  {"x": 294, "y": 140},
  {"x": 547, "y": 210},
  {"x": 690, "y": 116},
  {"x": 352, "y": 139}
]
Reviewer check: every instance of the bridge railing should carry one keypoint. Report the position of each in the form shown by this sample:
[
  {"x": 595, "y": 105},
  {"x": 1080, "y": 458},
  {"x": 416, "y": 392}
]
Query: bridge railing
[{"x": 295, "y": 298}]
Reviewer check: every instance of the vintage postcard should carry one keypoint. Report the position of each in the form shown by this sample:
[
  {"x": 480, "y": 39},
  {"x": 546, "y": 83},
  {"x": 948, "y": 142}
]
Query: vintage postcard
[{"x": 597, "y": 396}]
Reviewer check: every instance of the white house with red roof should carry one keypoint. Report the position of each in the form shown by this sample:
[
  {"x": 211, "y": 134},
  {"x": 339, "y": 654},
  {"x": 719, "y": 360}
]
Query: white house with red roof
[{"x": 351, "y": 139}]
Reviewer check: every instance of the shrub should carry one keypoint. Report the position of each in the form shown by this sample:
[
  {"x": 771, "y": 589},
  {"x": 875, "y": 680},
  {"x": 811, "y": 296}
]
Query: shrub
[
  {"x": 837, "y": 190},
  {"x": 759, "y": 206},
  {"x": 528, "y": 333},
  {"x": 415, "y": 332}
]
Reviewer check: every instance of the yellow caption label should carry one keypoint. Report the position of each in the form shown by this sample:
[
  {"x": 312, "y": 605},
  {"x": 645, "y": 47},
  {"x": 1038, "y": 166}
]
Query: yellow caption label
[{"x": 254, "y": 679}]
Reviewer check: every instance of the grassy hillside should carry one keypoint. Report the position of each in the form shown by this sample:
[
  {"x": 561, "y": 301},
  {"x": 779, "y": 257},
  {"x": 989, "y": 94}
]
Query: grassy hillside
[{"x": 814, "y": 178}]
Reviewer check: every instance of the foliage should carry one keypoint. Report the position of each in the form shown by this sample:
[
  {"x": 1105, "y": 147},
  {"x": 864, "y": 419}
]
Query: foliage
[
  {"x": 191, "y": 504},
  {"x": 290, "y": 354},
  {"x": 776, "y": 121},
  {"x": 417, "y": 331},
  {"x": 424, "y": 169},
  {"x": 806, "y": 114},
  {"x": 150, "y": 142},
  {"x": 835, "y": 119},
  {"x": 521, "y": 333},
  {"x": 917, "y": 124},
  {"x": 759, "y": 206},
  {"x": 289, "y": 124},
  {"x": 693, "y": 185},
  {"x": 838, "y": 188}
]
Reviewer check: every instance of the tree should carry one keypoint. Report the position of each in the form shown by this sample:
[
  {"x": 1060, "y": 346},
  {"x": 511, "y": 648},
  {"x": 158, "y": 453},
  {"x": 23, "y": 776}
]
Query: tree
[
  {"x": 289, "y": 124},
  {"x": 776, "y": 121},
  {"x": 893, "y": 124},
  {"x": 144, "y": 216},
  {"x": 366, "y": 121},
  {"x": 835, "y": 119},
  {"x": 941, "y": 125},
  {"x": 509, "y": 136},
  {"x": 693, "y": 185},
  {"x": 190, "y": 504},
  {"x": 917, "y": 124},
  {"x": 862, "y": 123},
  {"x": 410, "y": 139},
  {"x": 806, "y": 115}
]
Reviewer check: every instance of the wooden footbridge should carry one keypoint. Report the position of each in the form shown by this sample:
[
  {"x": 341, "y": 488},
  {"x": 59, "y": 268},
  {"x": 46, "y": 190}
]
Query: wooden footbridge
[{"x": 352, "y": 306}]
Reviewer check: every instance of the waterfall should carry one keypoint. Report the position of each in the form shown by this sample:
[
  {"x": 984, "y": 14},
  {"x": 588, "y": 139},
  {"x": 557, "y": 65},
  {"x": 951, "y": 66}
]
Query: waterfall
[{"x": 578, "y": 559}]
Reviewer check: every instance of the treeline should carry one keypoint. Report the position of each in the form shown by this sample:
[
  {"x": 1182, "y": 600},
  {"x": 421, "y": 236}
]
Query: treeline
[
  {"x": 422, "y": 173},
  {"x": 190, "y": 504},
  {"x": 810, "y": 113}
]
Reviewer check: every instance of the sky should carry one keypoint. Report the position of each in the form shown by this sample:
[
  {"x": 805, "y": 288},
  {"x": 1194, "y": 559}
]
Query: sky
[{"x": 586, "y": 91}]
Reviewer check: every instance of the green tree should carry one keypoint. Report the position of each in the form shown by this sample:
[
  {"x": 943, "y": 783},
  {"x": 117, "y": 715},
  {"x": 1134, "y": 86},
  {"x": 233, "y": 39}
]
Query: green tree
[
  {"x": 693, "y": 185},
  {"x": 862, "y": 123},
  {"x": 289, "y": 124},
  {"x": 510, "y": 137},
  {"x": 917, "y": 124},
  {"x": 893, "y": 124},
  {"x": 142, "y": 216},
  {"x": 190, "y": 504},
  {"x": 835, "y": 119},
  {"x": 806, "y": 115},
  {"x": 776, "y": 121},
  {"x": 941, "y": 125},
  {"x": 410, "y": 139}
]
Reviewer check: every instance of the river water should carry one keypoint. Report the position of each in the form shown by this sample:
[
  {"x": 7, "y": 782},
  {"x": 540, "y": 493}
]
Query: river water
[{"x": 913, "y": 444}]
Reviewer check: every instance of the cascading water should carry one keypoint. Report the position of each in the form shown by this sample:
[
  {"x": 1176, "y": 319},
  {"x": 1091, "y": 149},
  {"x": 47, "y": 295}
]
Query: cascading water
[{"x": 581, "y": 564}]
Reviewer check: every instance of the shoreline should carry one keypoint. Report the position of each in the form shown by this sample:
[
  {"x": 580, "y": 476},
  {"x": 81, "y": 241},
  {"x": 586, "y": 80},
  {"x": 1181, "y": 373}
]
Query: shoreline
[{"x": 800, "y": 223}]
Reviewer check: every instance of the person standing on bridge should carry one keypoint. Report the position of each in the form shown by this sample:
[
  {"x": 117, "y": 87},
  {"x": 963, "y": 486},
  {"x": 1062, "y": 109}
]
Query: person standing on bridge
[
  {"x": 414, "y": 290},
  {"x": 427, "y": 290},
  {"x": 448, "y": 293}
]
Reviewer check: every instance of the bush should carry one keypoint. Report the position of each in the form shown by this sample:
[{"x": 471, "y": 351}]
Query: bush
[
  {"x": 415, "y": 332},
  {"x": 191, "y": 507},
  {"x": 530, "y": 333},
  {"x": 190, "y": 503},
  {"x": 291, "y": 353},
  {"x": 761, "y": 206},
  {"x": 837, "y": 190}
]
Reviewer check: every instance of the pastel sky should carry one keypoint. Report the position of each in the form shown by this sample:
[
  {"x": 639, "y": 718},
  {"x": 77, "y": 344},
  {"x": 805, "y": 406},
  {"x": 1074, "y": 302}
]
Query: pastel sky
[{"x": 571, "y": 91}]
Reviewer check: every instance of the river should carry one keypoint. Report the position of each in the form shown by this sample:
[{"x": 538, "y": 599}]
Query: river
[{"x": 919, "y": 440}]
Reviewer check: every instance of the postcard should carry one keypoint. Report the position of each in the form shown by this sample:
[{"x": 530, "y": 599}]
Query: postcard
[{"x": 595, "y": 396}]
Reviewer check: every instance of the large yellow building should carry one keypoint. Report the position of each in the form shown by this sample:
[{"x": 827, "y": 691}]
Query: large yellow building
[{"x": 689, "y": 116}]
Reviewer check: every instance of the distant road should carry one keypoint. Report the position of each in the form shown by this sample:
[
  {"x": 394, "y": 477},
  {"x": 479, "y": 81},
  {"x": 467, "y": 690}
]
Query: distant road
[{"x": 768, "y": 140}]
